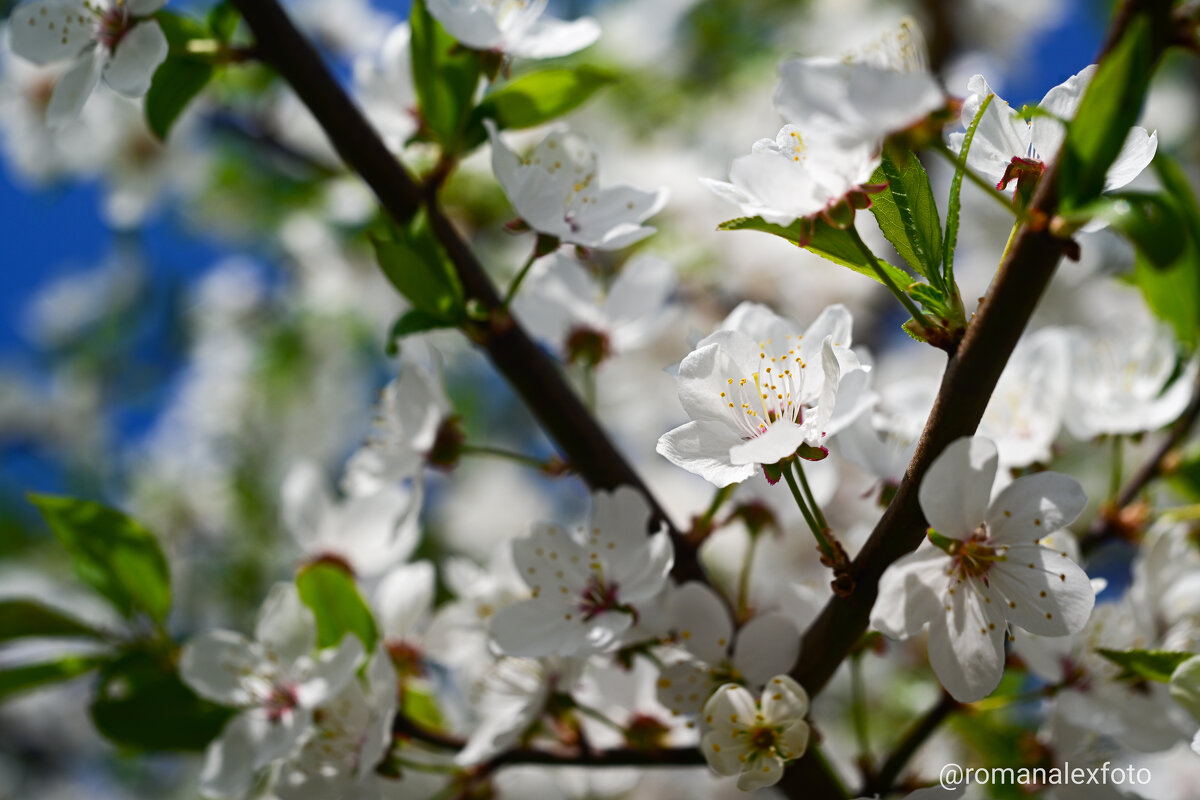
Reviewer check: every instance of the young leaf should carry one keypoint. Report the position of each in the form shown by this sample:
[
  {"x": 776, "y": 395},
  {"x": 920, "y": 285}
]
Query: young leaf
[
  {"x": 1151, "y": 665},
  {"x": 536, "y": 99},
  {"x": 110, "y": 552},
  {"x": 415, "y": 264},
  {"x": 1149, "y": 221},
  {"x": 27, "y": 677},
  {"x": 330, "y": 592},
  {"x": 954, "y": 205},
  {"x": 410, "y": 322},
  {"x": 176, "y": 82},
  {"x": 445, "y": 76},
  {"x": 223, "y": 20},
  {"x": 824, "y": 240},
  {"x": 907, "y": 214},
  {"x": 180, "y": 30},
  {"x": 21, "y": 618},
  {"x": 142, "y": 703}
]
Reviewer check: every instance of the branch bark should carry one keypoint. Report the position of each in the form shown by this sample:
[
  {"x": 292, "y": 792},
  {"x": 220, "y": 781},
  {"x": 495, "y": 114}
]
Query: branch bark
[{"x": 514, "y": 354}]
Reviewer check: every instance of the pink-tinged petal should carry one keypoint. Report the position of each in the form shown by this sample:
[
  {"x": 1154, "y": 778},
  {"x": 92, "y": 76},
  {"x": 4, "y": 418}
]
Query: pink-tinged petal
[
  {"x": 911, "y": 593},
  {"x": 1034, "y": 506},
  {"x": 46, "y": 31},
  {"x": 552, "y": 38},
  {"x": 74, "y": 88},
  {"x": 767, "y": 645},
  {"x": 966, "y": 644},
  {"x": 1046, "y": 592},
  {"x": 783, "y": 700},
  {"x": 403, "y": 599},
  {"x": 137, "y": 56},
  {"x": 955, "y": 490},
  {"x": 780, "y": 440},
  {"x": 684, "y": 687},
  {"x": 333, "y": 669},
  {"x": 213, "y": 665},
  {"x": 701, "y": 621},
  {"x": 703, "y": 448},
  {"x": 763, "y": 772},
  {"x": 286, "y": 627}
]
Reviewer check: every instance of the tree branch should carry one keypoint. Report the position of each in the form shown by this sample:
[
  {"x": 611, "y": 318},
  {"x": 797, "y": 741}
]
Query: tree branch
[
  {"x": 512, "y": 352},
  {"x": 885, "y": 779}
]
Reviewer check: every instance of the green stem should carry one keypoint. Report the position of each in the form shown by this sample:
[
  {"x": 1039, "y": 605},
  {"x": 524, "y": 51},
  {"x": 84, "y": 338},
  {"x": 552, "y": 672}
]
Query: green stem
[
  {"x": 599, "y": 716},
  {"x": 589, "y": 387},
  {"x": 719, "y": 498},
  {"x": 817, "y": 531},
  {"x": 808, "y": 495},
  {"x": 887, "y": 281},
  {"x": 517, "y": 281},
  {"x": 991, "y": 191},
  {"x": 1012, "y": 237},
  {"x": 499, "y": 452},
  {"x": 743, "y": 598},
  {"x": 1118, "y": 463},
  {"x": 858, "y": 708}
]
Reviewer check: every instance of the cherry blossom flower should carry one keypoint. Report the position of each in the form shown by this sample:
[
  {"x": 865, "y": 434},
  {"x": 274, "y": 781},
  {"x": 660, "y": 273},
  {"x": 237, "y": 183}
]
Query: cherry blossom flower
[
  {"x": 800, "y": 174},
  {"x": 109, "y": 37},
  {"x": 556, "y": 192},
  {"x": 275, "y": 680},
  {"x": 369, "y": 532},
  {"x": 766, "y": 645},
  {"x": 1007, "y": 148},
  {"x": 1121, "y": 381},
  {"x": 513, "y": 27},
  {"x": 563, "y": 305},
  {"x": 1185, "y": 690},
  {"x": 384, "y": 85},
  {"x": 587, "y": 585},
  {"x": 755, "y": 739},
  {"x": 759, "y": 389},
  {"x": 989, "y": 569}
]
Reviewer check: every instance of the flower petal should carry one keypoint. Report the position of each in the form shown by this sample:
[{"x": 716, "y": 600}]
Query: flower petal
[
  {"x": 1185, "y": 686},
  {"x": 684, "y": 687},
  {"x": 765, "y": 771},
  {"x": 910, "y": 593},
  {"x": 730, "y": 705},
  {"x": 551, "y": 38},
  {"x": 1047, "y": 593},
  {"x": 1034, "y": 506},
  {"x": 45, "y": 31},
  {"x": 700, "y": 618},
  {"x": 955, "y": 490},
  {"x": 135, "y": 59},
  {"x": 966, "y": 644},
  {"x": 74, "y": 88},
  {"x": 229, "y": 762},
  {"x": 403, "y": 599},
  {"x": 213, "y": 665},
  {"x": 766, "y": 645},
  {"x": 703, "y": 448},
  {"x": 305, "y": 504},
  {"x": 780, "y": 440},
  {"x": 334, "y": 668},
  {"x": 1135, "y": 155},
  {"x": 537, "y": 628},
  {"x": 286, "y": 627},
  {"x": 723, "y": 752},
  {"x": 784, "y": 700}
]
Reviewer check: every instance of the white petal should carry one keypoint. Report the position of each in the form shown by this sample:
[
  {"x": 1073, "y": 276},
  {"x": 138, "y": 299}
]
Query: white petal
[
  {"x": 1185, "y": 686},
  {"x": 684, "y": 687},
  {"x": 620, "y": 530},
  {"x": 766, "y": 645},
  {"x": 723, "y": 751},
  {"x": 334, "y": 668},
  {"x": 1047, "y": 593},
  {"x": 136, "y": 58},
  {"x": 703, "y": 448},
  {"x": 403, "y": 599},
  {"x": 603, "y": 631},
  {"x": 784, "y": 700},
  {"x": 911, "y": 592},
  {"x": 700, "y": 618},
  {"x": 285, "y": 625},
  {"x": 74, "y": 88},
  {"x": 781, "y": 440},
  {"x": 213, "y": 665},
  {"x": 642, "y": 585},
  {"x": 229, "y": 763},
  {"x": 1034, "y": 506},
  {"x": 305, "y": 504},
  {"x": 538, "y": 628},
  {"x": 551, "y": 38},
  {"x": 730, "y": 705},
  {"x": 375, "y": 530},
  {"x": 1136, "y": 154},
  {"x": 966, "y": 645},
  {"x": 794, "y": 739},
  {"x": 550, "y": 558},
  {"x": 955, "y": 490},
  {"x": 45, "y": 31},
  {"x": 766, "y": 771},
  {"x": 472, "y": 24}
]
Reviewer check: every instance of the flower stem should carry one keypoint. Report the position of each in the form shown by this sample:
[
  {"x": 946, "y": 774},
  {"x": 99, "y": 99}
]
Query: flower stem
[
  {"x": 589, "y": 387},
  {"x": 858, "y": 708},
  {"x": 991, "y": 191},
  {"x": 1118, "y": 463},
  {"x": 743, "y": 598},
  {"x": 499, "y": 452},
  {"x": 808, "y": 495},
  {"x": 818, "y": 531},
  {"x": 887, "y": 281},
  {"x": 599, "y": 716},
  {"x": 719, "y": 498},
  {"x": 517, "y": 281}
]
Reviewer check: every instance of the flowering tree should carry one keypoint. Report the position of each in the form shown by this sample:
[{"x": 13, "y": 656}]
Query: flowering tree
[{"x": 535, "y": 575}]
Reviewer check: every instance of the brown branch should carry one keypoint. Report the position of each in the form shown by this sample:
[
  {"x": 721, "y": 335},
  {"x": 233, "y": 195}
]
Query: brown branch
[
  {"x": 527, "y": 368},
  {"x": 884, "y": 780}
]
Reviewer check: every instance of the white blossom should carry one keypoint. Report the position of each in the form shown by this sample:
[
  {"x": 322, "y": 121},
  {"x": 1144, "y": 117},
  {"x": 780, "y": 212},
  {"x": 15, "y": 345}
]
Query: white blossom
[
  {"x": 759, "y": 388},
  {"x": 755, "y": 739},
  {"x": 994, "y": 571},
  {"x": 109, "y": 37},
  {"x": 556, "y": 191},
  {"x": 513, "y": 27},
  {"x": 385, "y": 87},
  {"x": 276, "y": 681},
  {"x": 587, "y": 585}
]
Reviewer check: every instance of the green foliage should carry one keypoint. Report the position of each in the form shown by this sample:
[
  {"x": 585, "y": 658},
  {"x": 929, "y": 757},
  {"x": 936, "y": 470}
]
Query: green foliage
[
  {"x": 410, "y": 322},
  {"x": 223, "y": 20},
  {"x": 1151, "y": 665},
  {"x": 111, "y": 553},
  {"x": 339, "y": 609},
  {"x": 180, "y": 30},
  {"x": 27, "y": 677},
  {"x": 414, "y": 262},
  {"x": 445, "y": 76},
  {"x": 1149, "y": 221},
  {"x": 822, "y": 239},
  {"x": 142, "y": 703},
  {"x": 21, "y": 618},
  {"x": 907, "y": 213},
  {"x": 537, "y": 98},
  {"x": 954, "y": 205},
  {"x": 176, "y": 82}
]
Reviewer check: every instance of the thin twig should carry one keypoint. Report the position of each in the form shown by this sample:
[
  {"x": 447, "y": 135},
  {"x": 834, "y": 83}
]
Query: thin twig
[{"x": 883, "y": 780}]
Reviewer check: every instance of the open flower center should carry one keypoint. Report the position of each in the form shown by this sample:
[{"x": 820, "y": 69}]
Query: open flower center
[
  {"x": 764, "y": 738},
  {"x": 279, "y": 701},
  {"x": 587, "y": 346},
  {"x": 972, "y": 558},
  {"x": 771, "y": 393},
  {"x": 598, "y": 597},
  {"x": 112, "y": 24}
]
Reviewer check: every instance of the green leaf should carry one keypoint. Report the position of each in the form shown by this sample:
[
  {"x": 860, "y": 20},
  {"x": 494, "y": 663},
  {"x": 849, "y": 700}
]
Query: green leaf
[
  {"x": 932, "y": 298},
  {"x": 1149, "y": 221},
  {"x": 180, "y": 30},
  {"x": 176, "y": 82},
  {"x": 410, "y": 322},
  {"x": 824, "y": 240},
  {"x": 907, "y": 213},
  {"x": 330, "y": 591},
  {"x": 21, "y": 618},
  {"x": 445, "y": 75},
  {"x": 142, "y": 703},
  {"x": 537, "y": 98},
  {"x": 954, "y": 206},
  {"x": 27, "y": 677},
  {"x": 1185, "y": 478},
  {"x": 1110, "y": 106},
  {"x": 420, "y": 705},
  {"x": 111, "y": 553},
  {"x": 223, "y": 20},
  {"x": 1152, "y": 665},
  {"x": 415, "y": 264},
  {"x": 1173, "y": 294}
]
